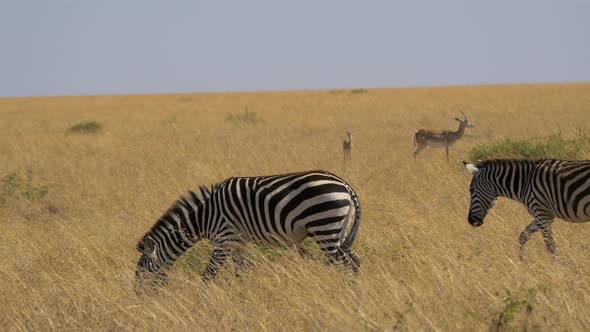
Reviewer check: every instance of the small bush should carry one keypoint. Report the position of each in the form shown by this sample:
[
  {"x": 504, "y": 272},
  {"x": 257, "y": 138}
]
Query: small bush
[
  {"x": 245, "y": 118},
  {"x": 185, "y": 99},
  {"x": 87, "y": 127},
  {"x": 19, "y": 185},
  {"x": 196, "y": 259},
  {"x": 512, "y": 306},
  {"x": 169, "y": 121},
  {"x": 552, "y": 146},
  {"x": 359, "y": 91}
]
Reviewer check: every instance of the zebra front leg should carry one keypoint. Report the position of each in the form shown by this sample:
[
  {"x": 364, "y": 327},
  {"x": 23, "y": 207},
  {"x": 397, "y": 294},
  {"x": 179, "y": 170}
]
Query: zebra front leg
[
  {"x": 218, "y": 258},
  {"x": 241, "y": 261},
  {"x": 526, "y": 234}
]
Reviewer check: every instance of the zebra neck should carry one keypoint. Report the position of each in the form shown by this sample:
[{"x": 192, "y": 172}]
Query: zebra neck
[
  {"x": 208, "y": 219},
  {"x": 513, "y": 179}
]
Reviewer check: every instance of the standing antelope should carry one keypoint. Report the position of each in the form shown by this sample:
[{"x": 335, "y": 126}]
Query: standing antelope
[
  {"x": 439, "y": 138},
  {"x": 347, "y": 146}
]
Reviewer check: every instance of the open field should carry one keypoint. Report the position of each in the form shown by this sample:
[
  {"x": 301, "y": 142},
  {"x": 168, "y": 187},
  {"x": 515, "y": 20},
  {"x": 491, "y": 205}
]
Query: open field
[{"x": 67, "y": 260}]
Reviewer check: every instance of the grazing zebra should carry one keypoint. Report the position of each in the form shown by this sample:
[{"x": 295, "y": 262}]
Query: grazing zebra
[
  {"x": 548, "y": 188},
  {"x": 277, "y": 210}
]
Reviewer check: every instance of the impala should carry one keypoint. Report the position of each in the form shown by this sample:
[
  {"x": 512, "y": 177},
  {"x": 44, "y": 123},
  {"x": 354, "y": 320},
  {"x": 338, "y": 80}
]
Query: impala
[
  {"x": 440, "y": 138},
  {"x": 347, "y": 146}
]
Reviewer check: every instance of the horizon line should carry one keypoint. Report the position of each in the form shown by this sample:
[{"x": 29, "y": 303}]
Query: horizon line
[{"x": 122, "y": 94}]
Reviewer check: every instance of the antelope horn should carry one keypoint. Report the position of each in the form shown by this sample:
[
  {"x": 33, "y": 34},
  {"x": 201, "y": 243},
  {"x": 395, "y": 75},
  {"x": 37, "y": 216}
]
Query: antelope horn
[{"x": 464, "y": 116}]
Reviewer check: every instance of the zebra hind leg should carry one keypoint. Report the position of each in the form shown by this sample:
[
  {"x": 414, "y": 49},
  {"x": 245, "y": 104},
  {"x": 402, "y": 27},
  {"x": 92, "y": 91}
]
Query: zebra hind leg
[
  {"x": 329, "y": 244},
  {"x": 347, "y": 258},
  {"x": 548, "y": 237},
  {"x": 526, "y": 234},
  {"x": 351, "y": 259},
  {"x": 342, "y": 258}
]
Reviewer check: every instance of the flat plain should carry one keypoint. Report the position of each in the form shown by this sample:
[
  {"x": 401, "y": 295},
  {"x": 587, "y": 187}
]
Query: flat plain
[{"x": 74, "y": 204}]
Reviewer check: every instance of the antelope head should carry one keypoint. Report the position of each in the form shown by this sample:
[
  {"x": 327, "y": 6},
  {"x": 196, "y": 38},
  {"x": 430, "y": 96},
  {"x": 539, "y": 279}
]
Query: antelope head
[{"x": 466, "y": 122}]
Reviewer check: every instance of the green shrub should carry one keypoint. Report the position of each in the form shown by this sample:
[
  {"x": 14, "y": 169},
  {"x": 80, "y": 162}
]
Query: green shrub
[
  {"x": 87, "y": 127},
  {"x": 197, "y": 258},
  {"x": 513, "y": 305},
  {"x": 19, "y": 185},
  {"x": 245, "y": 118},
  {"x": 552, "y": 146}
]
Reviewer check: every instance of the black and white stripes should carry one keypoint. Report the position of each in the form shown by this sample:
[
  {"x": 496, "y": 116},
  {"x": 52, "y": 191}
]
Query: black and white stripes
[
  {"x": 548, "y": 188},
  {"x": 276, "y": 210}
]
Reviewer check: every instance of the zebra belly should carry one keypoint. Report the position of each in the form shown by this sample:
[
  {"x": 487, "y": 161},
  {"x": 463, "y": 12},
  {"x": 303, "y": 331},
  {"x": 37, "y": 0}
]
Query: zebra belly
[
  {"x": 580, "y": 217},
  {"x": 273, "y": 240},
  {"x": 256, "y": 232}
]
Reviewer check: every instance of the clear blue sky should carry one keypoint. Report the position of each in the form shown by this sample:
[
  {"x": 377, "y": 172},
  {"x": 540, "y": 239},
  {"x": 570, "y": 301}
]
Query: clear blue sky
[{"x": 73, "y": 47}]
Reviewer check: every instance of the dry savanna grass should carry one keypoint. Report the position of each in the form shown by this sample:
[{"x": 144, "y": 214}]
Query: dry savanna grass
[{"x": 75, "y": 202}]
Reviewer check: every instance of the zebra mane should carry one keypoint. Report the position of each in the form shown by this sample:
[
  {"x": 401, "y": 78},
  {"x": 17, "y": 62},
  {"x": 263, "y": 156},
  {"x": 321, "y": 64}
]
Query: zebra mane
[
  {"x": 206, "y": 193},
  {"x": 503, "y": 162},
  {"x": 185, "y": 204}
]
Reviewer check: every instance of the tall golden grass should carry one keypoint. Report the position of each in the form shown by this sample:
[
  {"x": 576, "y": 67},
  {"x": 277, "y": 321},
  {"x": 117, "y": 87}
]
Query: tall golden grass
[{"x": 67, "y": 260}]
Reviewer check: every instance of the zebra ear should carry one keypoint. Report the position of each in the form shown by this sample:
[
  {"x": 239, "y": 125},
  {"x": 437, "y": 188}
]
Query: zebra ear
[
  {"x": 471, "y": 168},
  {"x": 149, "y": 247}
]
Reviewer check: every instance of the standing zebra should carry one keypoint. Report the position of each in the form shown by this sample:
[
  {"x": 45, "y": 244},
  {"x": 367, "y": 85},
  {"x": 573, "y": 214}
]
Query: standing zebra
[
  {"x": 277, "y": 210},
  {"x": 548, "y": 188}
]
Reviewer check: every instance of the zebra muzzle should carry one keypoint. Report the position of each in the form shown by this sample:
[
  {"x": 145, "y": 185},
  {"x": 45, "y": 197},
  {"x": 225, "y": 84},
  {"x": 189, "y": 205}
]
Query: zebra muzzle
[{"x": 475, "y": 222}]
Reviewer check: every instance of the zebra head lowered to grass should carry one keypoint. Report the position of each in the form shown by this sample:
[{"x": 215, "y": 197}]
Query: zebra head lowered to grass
[
  {"x": 277, "y": 210},
  {"x": 548, "y": 188}
]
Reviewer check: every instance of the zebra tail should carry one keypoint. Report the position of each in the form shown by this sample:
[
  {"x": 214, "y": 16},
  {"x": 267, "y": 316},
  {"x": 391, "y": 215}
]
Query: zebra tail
[{"x": 351, "y": 237}]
